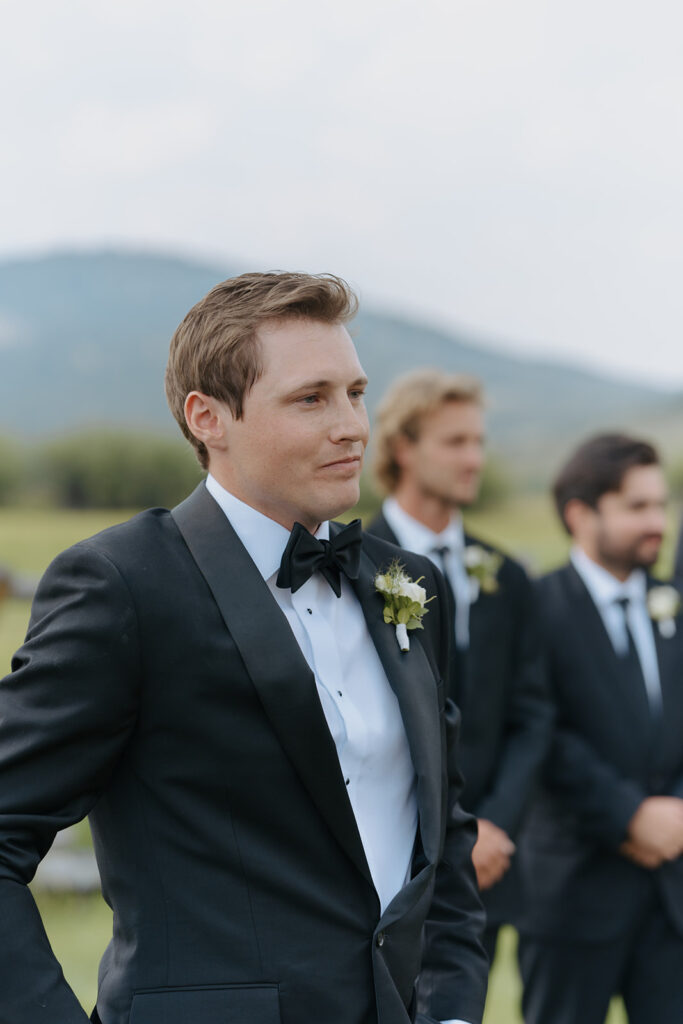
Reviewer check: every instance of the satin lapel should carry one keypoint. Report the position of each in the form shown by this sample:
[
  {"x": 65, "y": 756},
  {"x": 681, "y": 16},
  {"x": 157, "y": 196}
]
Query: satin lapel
[
  {"x": 413, "y": 682},
  {"x": 284, "y": 682},
  {"x": 597, "y": 643}
]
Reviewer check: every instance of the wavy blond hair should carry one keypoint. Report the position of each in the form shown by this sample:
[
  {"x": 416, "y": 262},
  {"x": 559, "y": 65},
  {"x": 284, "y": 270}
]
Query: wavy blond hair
[{"x": 404, "y": 407}]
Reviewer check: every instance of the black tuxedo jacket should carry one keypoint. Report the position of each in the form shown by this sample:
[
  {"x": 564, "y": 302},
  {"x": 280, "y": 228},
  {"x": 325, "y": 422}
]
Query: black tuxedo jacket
[
  {"x": 608, "y": 755},
  {"x": 160, "y": 690},
  {"x": 506, "y": 717}
]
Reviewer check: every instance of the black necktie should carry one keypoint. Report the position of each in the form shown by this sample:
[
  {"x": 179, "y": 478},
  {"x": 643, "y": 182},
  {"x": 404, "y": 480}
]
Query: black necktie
[
  {"x": 305, "y": 554},
  {"x": 632, "y": 667},
  {"x": 442, "y": 554},
  {"x": 631, "y": 656}
]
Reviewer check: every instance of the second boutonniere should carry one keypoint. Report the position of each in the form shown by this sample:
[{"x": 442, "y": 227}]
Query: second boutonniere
[
  {"x": 482, "y": 567},
  {"x": 405, "y": 601},
  {"x": 663, "y": 605}
]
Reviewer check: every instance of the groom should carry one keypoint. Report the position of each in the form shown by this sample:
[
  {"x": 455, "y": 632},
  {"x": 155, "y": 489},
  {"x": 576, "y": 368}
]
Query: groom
[{"x": 269, "y": 779}]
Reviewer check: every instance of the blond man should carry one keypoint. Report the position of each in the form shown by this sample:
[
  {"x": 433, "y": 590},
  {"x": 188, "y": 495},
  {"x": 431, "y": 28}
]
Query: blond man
[{"x": 429, "y": 458}]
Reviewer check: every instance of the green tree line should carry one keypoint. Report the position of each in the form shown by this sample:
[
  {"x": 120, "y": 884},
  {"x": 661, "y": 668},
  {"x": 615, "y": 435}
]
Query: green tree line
[{"x": 125, "y": 469}]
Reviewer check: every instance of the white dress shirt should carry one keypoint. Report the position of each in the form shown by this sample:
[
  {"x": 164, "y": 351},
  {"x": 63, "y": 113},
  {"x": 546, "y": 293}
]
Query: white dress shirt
[
  {"x": 606, "y": 591},
  {"x": 360, "y": 708},
  {"x": 415, "y": 536}
]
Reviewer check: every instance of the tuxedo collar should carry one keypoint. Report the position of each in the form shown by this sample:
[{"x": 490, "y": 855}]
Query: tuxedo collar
[
  {"x": 415, "y": 536},
  {"x": 263, "y": 538},
  {"x": 602, "y": 586}
]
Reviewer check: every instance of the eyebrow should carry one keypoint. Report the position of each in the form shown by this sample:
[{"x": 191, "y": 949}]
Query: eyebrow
[{"x": 312, "y": 385}]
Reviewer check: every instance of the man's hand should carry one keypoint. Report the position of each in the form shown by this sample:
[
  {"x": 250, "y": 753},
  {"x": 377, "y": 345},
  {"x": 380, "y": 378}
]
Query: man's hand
[
  {"x": 491, "y": 854},
  {"x": 655, "y": 832},
  {"x": 641, "y": 856}
]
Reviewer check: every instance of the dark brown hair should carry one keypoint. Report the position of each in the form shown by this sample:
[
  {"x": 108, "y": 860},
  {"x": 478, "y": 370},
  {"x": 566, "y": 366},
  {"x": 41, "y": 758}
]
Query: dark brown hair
[
  {"x": 597, "y": 467},
  {"x": 215, "y": 349}
]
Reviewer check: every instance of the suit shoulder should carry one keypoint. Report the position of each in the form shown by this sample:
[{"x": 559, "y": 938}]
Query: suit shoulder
[
  {"x": 551, "y": 591},
  {"x": 379, "y": 527},
  {"x": 124, "y": 543}
]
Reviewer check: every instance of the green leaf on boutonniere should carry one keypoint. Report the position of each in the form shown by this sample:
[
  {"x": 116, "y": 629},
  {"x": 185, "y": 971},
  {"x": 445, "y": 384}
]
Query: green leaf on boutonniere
[{"x": 404, "y": 601}]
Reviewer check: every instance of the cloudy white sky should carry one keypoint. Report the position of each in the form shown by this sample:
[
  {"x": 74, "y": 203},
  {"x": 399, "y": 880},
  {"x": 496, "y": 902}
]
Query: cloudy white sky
[{"x": 514, "y": 168}]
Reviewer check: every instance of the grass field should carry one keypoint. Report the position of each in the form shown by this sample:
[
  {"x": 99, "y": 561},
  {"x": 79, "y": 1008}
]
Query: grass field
[{"x": 79, "y": 927}]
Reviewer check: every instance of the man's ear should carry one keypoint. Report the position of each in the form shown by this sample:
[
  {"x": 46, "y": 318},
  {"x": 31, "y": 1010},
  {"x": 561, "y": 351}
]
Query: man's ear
[
  {"x": 579, "y": 517},
  {"x": 207, "y": 419},
  {"x": 403, "y": 449}
]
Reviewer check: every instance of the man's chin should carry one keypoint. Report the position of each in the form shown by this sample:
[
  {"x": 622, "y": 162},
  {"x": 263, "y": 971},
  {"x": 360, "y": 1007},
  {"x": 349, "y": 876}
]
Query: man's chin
[{"x": 336, "y": 505}]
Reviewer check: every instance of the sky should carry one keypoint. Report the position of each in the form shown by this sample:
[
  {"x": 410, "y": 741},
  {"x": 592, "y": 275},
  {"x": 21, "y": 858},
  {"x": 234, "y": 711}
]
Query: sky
[{"x": 511, "y": 169}]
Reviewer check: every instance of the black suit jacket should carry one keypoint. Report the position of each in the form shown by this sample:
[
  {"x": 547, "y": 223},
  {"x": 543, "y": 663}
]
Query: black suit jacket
[
  {"x": 678, "y": 558},
  {"x": 506, "y": 717},
  {"x": 160, "y": 690},
  {"x": 608, "y": 755}
]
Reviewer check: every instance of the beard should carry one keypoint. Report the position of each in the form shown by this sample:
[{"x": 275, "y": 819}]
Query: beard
[
  {"x": 640, "y": 553},
  {"x": 459, "y": 493}
]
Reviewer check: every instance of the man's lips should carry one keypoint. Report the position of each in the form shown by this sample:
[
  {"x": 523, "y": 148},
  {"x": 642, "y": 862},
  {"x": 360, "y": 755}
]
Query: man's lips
[{"x": 350, "y": 460}]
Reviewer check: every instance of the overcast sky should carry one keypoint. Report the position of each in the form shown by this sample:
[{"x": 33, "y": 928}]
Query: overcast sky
[{"x": 514, "y": 168}]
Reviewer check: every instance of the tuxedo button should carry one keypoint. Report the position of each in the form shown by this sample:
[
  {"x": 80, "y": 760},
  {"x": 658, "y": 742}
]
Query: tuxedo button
[{"x": 379, "y": 939}]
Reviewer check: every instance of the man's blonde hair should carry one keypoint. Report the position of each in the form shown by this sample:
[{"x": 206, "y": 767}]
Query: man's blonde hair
[
  {"x": 409, "y": 400},
  {"x": 215, "y": 349}
]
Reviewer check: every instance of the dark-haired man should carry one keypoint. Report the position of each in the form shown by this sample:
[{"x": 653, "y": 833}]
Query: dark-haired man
[
  {"x": 602, "y": 852},
  {"x": 429, "y": 455},
  {"x": 270, "y": 779}
]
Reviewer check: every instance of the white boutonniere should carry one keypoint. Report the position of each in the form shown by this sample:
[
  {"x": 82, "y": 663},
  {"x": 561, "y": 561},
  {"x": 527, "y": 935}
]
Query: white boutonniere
[
  {"x": 663, "y": 605},
  {"x": 482, "y": 568},
  {"x": 404, "y": 601}
]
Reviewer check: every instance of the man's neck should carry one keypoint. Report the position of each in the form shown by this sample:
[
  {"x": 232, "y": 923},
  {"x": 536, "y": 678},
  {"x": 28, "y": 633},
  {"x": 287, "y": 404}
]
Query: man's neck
[
  {"x": 619, "y": 571},
  {"x": 285, "y": 517},
  {"x": 428, "y": 510}
]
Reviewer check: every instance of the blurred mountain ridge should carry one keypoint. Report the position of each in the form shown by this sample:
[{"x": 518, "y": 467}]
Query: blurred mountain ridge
[{"x": 84, "y": 340}]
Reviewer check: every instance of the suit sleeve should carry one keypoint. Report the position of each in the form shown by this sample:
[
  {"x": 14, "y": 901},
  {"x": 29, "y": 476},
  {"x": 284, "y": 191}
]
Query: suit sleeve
[
  {"x": 602, "y": 800},
  {"x": 454, "y": 973},
  {"x": 528, "y": 717},
  {"x": 67, "y": 709}
]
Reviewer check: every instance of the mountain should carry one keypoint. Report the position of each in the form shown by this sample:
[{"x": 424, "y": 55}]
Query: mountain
[{"x": 84, "y": 339}]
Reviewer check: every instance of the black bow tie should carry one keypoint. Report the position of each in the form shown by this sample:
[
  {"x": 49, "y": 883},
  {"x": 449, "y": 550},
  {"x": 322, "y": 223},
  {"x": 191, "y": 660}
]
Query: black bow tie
[{"x": 305, "y": 554}]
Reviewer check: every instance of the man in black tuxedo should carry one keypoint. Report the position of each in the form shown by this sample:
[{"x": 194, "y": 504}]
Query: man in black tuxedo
[
  {"x": 270, "y": 780},
  {"x": 429, "y": 456},
  {"x": 602, "y": 851}
]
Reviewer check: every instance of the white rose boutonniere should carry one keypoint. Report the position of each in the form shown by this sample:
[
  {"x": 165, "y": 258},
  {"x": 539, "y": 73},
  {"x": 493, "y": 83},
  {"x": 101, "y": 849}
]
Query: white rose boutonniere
[
  {"x": 482, "y": 568},
  {"x": 663, "y": 605},
  {"x": 404, "y": 601}
]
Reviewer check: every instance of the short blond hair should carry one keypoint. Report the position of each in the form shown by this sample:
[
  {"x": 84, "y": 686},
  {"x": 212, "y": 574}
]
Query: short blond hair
[
  {"x": 406, "y": 404},
  {"x": 215, "y": 349}
]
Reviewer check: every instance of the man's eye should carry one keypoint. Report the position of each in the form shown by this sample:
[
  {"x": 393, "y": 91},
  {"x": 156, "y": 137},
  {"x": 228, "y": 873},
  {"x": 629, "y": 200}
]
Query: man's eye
[
  {"x": 309, "y": 399},
  {"x": 357, "y": 393}
]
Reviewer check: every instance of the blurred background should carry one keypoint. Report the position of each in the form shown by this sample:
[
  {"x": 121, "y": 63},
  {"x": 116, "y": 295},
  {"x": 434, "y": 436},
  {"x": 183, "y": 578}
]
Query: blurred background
[{"x": 500, "y": 182}]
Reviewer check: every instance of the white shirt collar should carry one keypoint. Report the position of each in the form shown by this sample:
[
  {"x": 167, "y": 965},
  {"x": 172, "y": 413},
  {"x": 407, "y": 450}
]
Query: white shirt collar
[
  {"x": 264, "y": 539},
  {"x": 415, "y": 536},
  {"x": 603, "y": 587}
]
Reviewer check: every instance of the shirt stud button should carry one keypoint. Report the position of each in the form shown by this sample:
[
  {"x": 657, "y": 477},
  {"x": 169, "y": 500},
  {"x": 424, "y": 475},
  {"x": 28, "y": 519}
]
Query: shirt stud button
[
  {"x": 310, "y": 611},
  {"x": 347, "y": 782},
  {"x": 340, "y": 693}
]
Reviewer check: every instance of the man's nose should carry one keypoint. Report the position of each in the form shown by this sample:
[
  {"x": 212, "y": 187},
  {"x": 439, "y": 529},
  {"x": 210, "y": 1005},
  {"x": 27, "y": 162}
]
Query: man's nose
[
  {"x": 475, "y": 457},
  {"x": 350, "y": 422}
]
